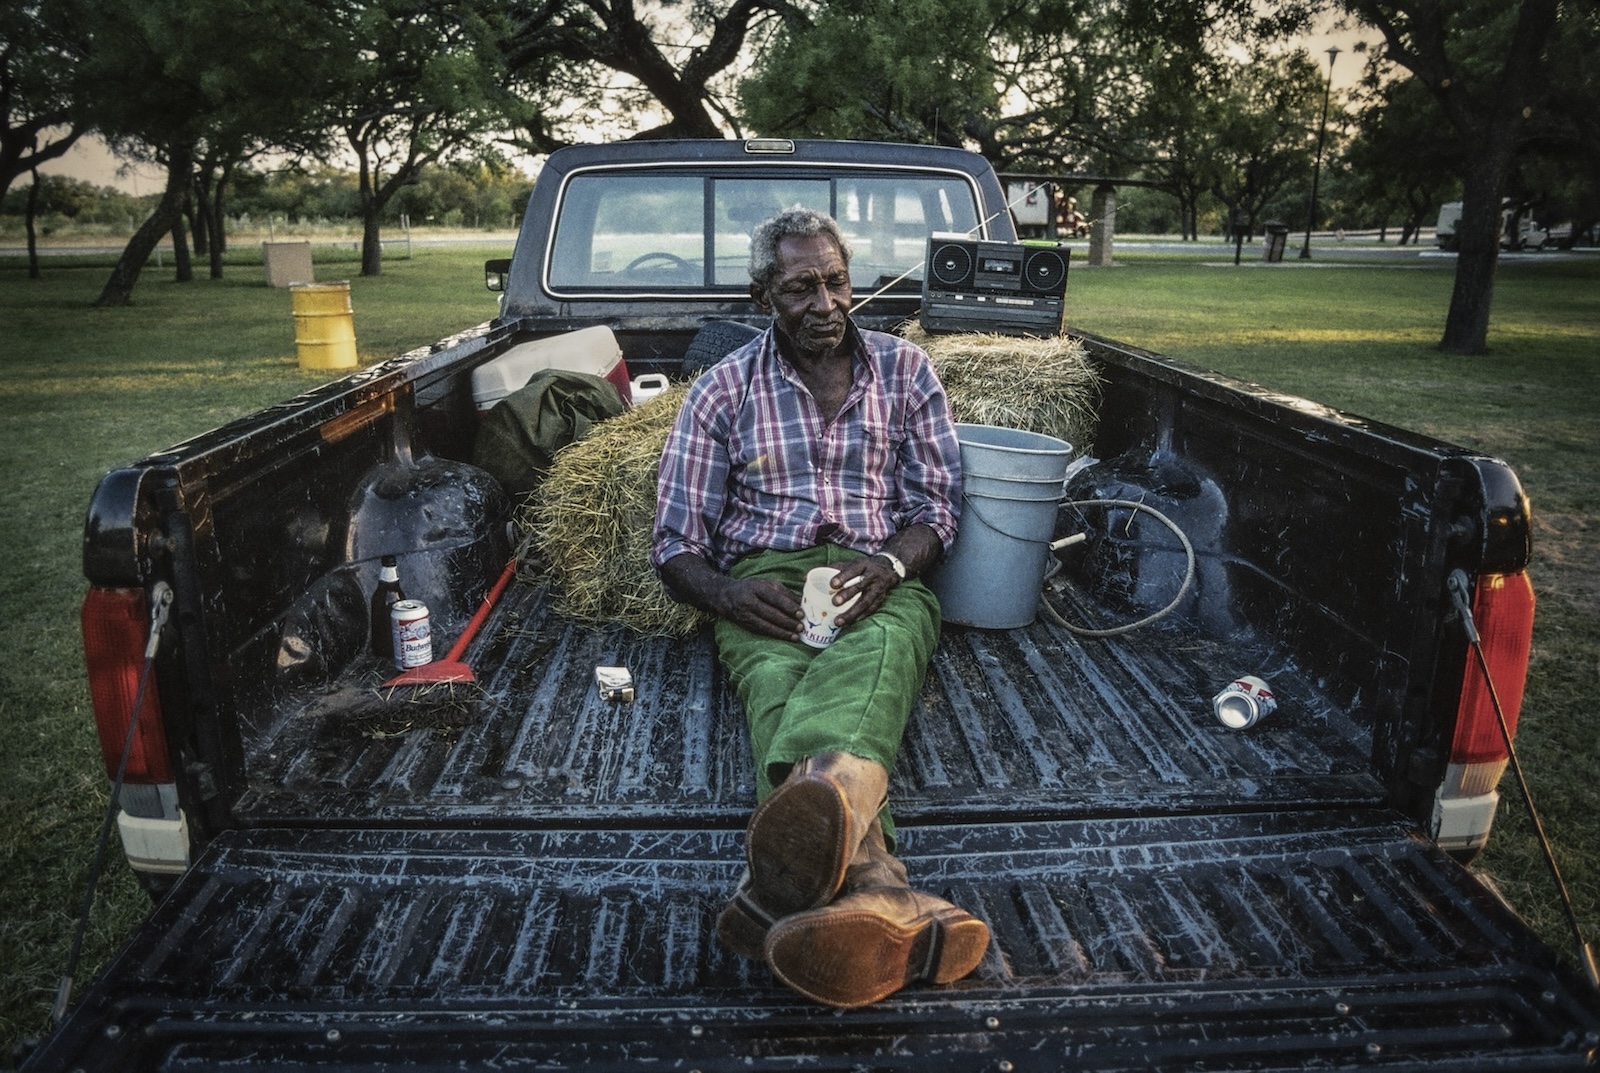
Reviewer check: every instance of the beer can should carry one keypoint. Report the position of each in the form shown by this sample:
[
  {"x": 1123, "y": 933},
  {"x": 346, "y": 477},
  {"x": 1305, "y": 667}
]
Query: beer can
[
  {"x": 1244, "y": 703},
  {"x": 413, "y": 637}
]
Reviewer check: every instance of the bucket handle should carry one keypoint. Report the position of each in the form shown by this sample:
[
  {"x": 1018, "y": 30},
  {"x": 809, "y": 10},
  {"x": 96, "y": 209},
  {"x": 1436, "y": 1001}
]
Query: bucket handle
[{"x": 969, "y": 505}]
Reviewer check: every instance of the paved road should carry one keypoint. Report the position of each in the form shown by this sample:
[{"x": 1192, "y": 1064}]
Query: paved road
[
  {"x": 1324, "y": 249},
  {"x": 504, "y": 239}
]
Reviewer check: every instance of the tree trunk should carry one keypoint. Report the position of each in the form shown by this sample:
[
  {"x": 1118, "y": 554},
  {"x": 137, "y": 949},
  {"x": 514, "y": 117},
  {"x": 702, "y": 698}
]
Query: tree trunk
[
  {"x": 194, "y": 208},
  {"x": 367, "y": 189},
  {"x": 119, "y": 288},
  {"x": 183, "y": 264},
  {"x": 216, "y": 242},
  {"x": 218, "y": 218},
  {"x": 371, "y": 238},
  {"x": 1466, "y": 326},
  {"x": 33, "y": 241},
  {"x": 208, "y": 214},
  {"x": 375, "y": 197}
]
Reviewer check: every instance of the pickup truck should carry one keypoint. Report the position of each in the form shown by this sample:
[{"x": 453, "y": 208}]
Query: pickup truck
[{"x": 536, "y": 886}]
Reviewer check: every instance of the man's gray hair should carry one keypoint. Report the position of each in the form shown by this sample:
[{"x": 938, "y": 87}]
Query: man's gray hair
[{"x": 791, "y": 223}]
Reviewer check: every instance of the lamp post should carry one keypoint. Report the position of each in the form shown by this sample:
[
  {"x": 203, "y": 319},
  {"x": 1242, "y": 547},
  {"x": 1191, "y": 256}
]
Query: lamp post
[{"x": 1316, "y": 170}]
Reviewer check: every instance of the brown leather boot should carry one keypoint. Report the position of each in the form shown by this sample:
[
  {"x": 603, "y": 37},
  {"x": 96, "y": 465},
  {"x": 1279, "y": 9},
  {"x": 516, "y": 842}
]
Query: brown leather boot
[
  {"x": 800, "y": 842},
  {"x": 802, "y": 838},
  {"x": 875, "y": 939}
]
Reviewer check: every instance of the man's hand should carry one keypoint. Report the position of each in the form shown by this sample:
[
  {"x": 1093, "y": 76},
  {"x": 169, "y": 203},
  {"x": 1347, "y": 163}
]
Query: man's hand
[
  {"x": 759, "y": 605},
  {"x": 768, "y": 608},
  {"x": 762, "y": 606},
  {"x": 917, "y": 546},
  {"x": 877, "y": 578}
]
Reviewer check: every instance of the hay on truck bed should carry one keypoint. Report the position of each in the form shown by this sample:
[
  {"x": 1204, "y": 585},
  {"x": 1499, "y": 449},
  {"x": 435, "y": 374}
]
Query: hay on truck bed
[
  {"x": 592, "y": 515},
  {"x": 591, "y": 518}
]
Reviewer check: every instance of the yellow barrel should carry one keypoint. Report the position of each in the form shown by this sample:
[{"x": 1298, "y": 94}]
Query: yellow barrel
[{"x": 324, "y": 331}]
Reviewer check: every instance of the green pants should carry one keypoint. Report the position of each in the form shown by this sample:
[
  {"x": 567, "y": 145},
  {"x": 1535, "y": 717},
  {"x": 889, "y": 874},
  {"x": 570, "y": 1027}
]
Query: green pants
[{"x": 853, "y": 696}]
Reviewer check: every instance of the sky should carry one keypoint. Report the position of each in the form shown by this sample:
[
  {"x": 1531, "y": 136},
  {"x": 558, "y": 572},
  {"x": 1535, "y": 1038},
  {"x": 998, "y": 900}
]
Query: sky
[{"x": 90, "y": 160}]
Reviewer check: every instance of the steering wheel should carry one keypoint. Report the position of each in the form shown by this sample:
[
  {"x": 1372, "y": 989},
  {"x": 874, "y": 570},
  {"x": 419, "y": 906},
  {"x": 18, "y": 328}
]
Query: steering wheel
[{"x": 673, "y": 262}]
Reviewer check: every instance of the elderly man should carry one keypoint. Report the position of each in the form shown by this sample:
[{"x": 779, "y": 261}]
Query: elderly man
[{"x": 820, "y": 444}]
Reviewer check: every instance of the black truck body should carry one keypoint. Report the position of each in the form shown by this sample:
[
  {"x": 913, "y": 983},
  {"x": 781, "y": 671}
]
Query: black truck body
[{"x": 536, "y": 887}]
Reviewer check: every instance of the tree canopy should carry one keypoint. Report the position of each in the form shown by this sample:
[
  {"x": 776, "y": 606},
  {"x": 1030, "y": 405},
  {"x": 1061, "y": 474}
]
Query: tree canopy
[
  {"x": 1204, "y": 102},
  {"x": 39, "y": 45},
  {"x": 1486, "y": 64},
  {"x": 195, "y": 84},
  {"x": 412, "y": 82}
]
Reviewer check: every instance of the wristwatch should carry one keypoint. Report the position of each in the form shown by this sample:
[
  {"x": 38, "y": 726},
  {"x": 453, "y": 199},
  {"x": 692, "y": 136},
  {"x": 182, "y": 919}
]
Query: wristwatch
[{"x": 894, "y": 561}]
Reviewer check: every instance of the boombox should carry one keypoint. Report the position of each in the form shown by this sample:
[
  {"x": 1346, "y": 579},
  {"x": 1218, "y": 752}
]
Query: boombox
[{"x": 972, "y": 285}]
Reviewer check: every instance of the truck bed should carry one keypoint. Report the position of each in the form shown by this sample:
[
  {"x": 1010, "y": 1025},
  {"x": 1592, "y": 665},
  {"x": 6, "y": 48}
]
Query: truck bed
[
  {"x": 523, "y": 876},
  {"x": 1030, "y": 724},
  {"x": 539, "y": 873},
  {"x": 1117, "y": 945},
  {"x": 538, "y": 879}
]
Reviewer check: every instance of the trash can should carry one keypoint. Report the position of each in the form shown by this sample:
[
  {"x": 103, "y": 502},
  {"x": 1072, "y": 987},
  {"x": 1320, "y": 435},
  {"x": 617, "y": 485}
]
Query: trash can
[
  {"x": 324, "y": 329},
  {"x": 1273, "y": 242}
]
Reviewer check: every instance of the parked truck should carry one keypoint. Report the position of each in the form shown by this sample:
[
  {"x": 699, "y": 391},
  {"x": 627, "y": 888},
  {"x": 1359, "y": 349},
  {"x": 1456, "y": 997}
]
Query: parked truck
[
  {"x": 536, "y": 886},
  {"x": 1518, "y": 229}
]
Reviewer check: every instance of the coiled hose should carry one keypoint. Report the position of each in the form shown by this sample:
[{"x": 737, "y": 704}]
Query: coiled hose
[{"x": 1183, "y": 589}]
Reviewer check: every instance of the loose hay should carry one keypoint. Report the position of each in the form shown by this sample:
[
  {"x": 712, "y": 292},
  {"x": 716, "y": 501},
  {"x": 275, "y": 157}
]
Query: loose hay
[
  {"x": 1039, "y": 385},
  {"x": 591, "y": 518}
]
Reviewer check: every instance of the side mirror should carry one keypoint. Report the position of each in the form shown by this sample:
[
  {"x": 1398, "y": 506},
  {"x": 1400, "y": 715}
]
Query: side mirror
[{"x": 495, "y": 273}]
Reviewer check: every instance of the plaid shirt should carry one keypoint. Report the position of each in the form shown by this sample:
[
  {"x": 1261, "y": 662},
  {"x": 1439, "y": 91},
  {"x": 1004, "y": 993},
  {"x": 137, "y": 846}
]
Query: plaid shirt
[{"x": 751, "y": 465}]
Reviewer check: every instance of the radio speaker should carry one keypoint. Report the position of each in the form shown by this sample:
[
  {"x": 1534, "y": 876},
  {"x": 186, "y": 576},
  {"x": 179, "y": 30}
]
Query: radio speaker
[
  {"x": 1045, "y": 271},
  {"x": 950, "y": 263}
]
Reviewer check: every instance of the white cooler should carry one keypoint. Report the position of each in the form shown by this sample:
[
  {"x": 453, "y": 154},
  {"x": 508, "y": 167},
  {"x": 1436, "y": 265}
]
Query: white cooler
[{"x": 589, "y": 350}]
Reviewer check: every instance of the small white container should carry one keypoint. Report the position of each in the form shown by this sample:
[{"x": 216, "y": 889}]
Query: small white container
[{"x": 648, "y": 386}]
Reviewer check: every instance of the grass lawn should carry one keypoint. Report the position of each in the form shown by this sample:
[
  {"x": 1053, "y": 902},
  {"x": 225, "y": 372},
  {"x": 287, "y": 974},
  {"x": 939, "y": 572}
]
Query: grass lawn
[{"x": 88, "y": 389}]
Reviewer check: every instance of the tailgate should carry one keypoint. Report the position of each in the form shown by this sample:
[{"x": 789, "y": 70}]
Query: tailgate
[{"x": 1252, "y": 941}]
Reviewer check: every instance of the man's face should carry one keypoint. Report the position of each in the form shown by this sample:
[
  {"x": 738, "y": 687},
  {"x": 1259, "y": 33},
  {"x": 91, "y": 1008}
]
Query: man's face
[{"x": 810, "y": 294}]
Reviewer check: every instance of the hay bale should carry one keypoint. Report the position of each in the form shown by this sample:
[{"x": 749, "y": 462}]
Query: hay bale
[
  {"x": 591, "y": 518},
  {"x": 1039, "y": 385}
]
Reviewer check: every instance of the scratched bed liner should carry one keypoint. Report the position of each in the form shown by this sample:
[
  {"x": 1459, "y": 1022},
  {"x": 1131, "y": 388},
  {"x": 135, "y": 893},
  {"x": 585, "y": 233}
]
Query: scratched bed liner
[
  {"x": 1280, "y": 939},
  {"x": 1033, "y": 723}
]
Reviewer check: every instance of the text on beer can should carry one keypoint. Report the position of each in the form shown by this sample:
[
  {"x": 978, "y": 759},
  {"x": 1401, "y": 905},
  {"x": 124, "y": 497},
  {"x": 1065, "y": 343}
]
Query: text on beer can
[{"x": 413, "y": 636}]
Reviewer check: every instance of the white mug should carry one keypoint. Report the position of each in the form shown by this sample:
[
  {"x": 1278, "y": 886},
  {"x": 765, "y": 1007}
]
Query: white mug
[{"x": 816, "y": 600}]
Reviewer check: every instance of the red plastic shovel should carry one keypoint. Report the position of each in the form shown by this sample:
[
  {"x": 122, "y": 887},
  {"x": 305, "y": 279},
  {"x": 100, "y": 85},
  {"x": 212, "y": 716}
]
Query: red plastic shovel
[{"x": 451, "y": 668}]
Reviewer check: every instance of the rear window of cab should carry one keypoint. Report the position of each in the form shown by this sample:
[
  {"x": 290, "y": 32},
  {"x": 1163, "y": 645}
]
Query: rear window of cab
[{"x": 659, "y": 232}]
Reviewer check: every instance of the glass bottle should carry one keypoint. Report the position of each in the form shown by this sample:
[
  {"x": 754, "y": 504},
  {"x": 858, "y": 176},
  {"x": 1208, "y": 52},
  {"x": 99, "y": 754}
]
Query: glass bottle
[{"x": 385, "y": 596}]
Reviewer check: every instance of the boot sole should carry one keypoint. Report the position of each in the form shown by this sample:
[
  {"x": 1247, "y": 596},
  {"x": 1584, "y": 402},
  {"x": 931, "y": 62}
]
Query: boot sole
[
  {"x": 796, "y": 848},
  {"x": 853, "y": 958}
]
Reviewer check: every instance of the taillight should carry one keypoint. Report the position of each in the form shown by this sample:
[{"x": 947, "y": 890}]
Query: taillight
[
  {"x": 1502, "y": 609},
  {"x": 116, "y": 628}
]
